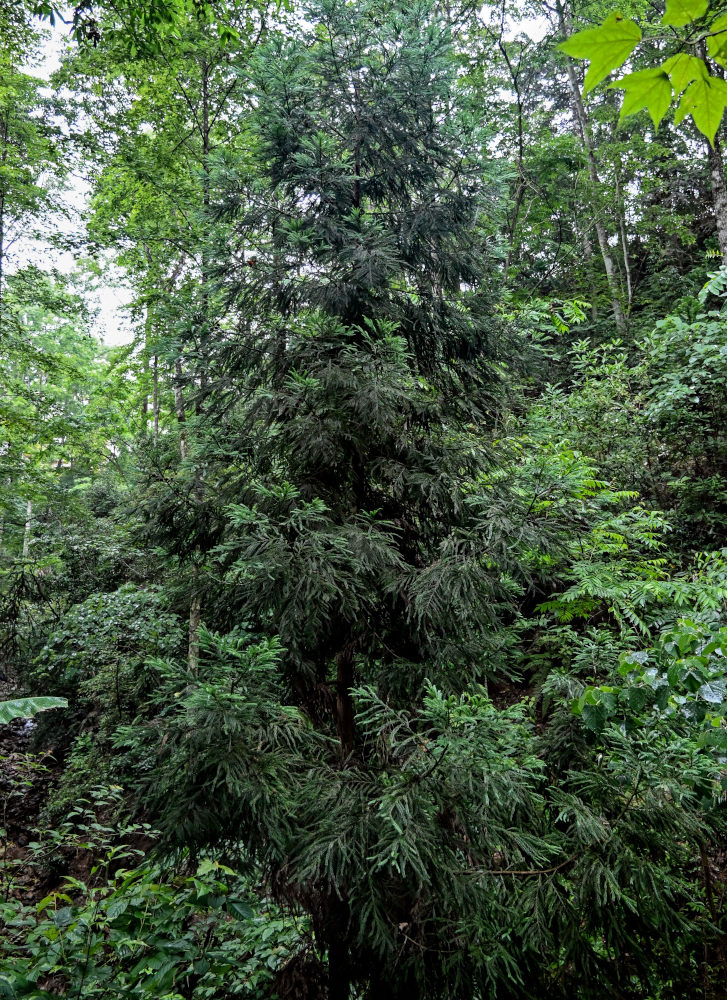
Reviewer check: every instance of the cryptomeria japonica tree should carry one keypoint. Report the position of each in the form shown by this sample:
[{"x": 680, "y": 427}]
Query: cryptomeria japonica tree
[
  {"x": 342, "y": 509},
  {"x": 366, "y": 353}
]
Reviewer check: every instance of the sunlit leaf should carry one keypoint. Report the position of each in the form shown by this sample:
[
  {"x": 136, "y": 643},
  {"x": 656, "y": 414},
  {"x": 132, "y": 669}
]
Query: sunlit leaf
[
  {"x": 681, "y": 12},
  {"x": 26, "y": 708},
  {"x": 717, "y": 40},
  {"x": 714, "y": 692},
  {"x": 650, "y": 89},
  {"x": 607, "y": 47},
  {"x": 705, "y": 100},
  {"x": 682, "y": 69}
]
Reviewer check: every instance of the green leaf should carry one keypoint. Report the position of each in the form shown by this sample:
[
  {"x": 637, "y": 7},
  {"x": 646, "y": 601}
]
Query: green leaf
[
  {"x": 681, "y": 12},
  {"x": 715, "y": 692},
  {"x": 63, "y": 917},
  {"x": 716, "y": 738},
  {"x": 705, "y": 100},
  {"x": 682, "y": 69},
  {"x": 239, "y": 908},
  {"x": 607, "y": 47},
  {"x": 637, "y": 699},
  {"x": 594, "y": 717},
  {"x": 662, "y": 696},
  {"x": 674, "y": 672},
  {"x": 648, "y": 88},
  {"x": 26, "y": 708},
  {"x": 717, "y": 39}
]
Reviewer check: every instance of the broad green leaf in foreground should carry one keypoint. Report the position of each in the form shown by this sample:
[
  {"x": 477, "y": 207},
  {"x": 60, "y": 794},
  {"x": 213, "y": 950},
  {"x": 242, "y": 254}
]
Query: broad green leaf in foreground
[
  {"x": 717, "y": 39},
  {"x": 681, "y": 12},
  {"x": 26, "y": 708},
  {"x": 648, "y": 88},
  {"x": 682, "y": 69},
  {"x": 705, "y": 100},
  {"x": 607, "y": 47}
]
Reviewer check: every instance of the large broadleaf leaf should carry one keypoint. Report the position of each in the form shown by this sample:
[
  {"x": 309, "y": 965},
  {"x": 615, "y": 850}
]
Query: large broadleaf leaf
[
  {"x": 607, "y": 47},
  {"x": 681, "y": 12},
  {"x": 705, "y": 100},
  {"x": 648, "y": 88},
  {"x": 26, "y": 708},
  {"x": 682, "y": 69},
  {"x": 717, "y": 39}
]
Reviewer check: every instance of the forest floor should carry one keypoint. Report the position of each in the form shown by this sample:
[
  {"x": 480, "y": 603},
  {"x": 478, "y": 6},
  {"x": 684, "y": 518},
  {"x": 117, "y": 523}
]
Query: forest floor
[{"x": 27, "y": 776}]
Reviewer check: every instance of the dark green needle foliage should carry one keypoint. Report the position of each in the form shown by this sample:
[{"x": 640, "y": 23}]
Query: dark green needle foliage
[
  {"x": 442, "y": 845},
  {"x": 366, "y": 353}
]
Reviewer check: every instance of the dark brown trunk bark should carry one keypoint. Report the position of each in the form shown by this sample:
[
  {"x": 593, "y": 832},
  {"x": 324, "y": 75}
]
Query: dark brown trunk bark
[
  {"x": 339, "y": 969},
  {"x": 344, "y": 701}
]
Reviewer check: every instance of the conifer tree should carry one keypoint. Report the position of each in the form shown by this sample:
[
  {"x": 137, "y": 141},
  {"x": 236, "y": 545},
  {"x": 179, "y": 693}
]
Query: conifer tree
[
  {"x": 353, "y": 385},
  {"x": 441, "y": 846},
  {"x": 366, "y": 348}
]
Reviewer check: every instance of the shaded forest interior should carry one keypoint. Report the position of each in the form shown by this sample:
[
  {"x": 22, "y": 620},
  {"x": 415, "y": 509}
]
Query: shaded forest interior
[{"x": 363, "y": 579}]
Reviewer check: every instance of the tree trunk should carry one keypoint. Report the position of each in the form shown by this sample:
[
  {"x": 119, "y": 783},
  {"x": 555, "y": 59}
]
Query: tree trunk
[
  {"x": 624, "y": 242},
  {"x": 586, "y": 137},
  {"x": 195, "y": 617},
  {"x": 715, "y": 161},
  {"x": 4, "y": 135},
  {"x": 28, "y": 524},
  {"x": 344, "y": 702},
  {"x": 179, "y": 406},
  {"x": 514, "y": 72},
  {"x": 155, "y": 399},
  {"x": 719, "y": 193},
  {"x": 147, "y": 341},
  {"x": 339, "y": 969},
  {"x": 588, "y": 255}
]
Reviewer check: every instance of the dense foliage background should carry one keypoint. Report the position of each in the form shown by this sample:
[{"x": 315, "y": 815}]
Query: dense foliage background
[{"x": 363, "y": 619}]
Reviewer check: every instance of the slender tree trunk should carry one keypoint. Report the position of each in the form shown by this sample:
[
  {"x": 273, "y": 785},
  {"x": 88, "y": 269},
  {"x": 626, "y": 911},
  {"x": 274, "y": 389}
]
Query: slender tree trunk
[
  {"x": 624, "y": 241},
  {"x": 344, "y": 701},
  {"x": 195, "y": 603},
  {"x": 588, "y": 255},
  {"x": 206, "y": 188},
  {"x": 715, "y": 161},
  {"x": 514, "y": 72},
  {"x": 586, "y": 137},
  {"x": 155, "y": 399},
  {"x": 205, "y": 135},
  {"x": 195, "y": 617},
  {"x": 147, "y": 342},
  {"x": 4, "y": 135},
  {"x": 719, "y": 193},
  {"x": 2, "y": 249},
  {"x": 28, "y": 525},
  {"x": 339, "y": 966},
  {"x": 179, "y": 407},
  {"x": 595, "y": 180}
]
